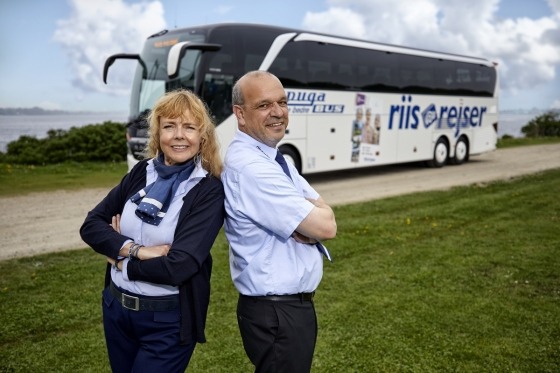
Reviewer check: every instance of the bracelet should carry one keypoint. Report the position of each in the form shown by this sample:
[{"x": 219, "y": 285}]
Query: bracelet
[
  {"x": 133, "y": 250},
  {"x": 116, "y": 264},
  {"x": 136, "y": 250}
]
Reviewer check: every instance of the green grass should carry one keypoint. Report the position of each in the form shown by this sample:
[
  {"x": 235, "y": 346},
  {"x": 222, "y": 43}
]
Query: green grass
[
  {"x": 20, "y": 179},
  {"x": 464, "y": 280},
  {"x": 509, "y": 142}
]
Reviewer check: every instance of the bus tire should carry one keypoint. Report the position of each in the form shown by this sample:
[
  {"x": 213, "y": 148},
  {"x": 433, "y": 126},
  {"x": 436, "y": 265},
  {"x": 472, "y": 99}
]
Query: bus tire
[
  {"x": 461, "y": 151},
  {"x": 441, "y": 153},
  {"x": 291, "y": 155}
]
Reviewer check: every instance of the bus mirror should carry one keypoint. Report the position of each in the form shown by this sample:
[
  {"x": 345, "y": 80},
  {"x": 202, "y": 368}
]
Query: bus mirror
[
  {"x": 177, "y": 52},
  {"x": 115, "y": 57}
]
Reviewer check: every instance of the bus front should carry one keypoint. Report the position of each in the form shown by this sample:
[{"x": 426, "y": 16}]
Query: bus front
[{"x": 169, "y": 61}]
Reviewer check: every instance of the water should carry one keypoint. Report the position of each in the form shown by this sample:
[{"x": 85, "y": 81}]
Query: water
[
  {"x": 510, "y": 124},
  {"x": 14, "y": 126}
]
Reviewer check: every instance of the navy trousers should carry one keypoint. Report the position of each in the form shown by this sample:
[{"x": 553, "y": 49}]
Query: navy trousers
[
  {"x": 278, "y": 336},
  {"x": 143, "y": 341}
]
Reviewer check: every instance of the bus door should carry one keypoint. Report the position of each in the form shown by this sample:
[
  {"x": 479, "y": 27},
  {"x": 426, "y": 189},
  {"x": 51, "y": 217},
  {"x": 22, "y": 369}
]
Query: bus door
[{"x": 329, "y": 145}]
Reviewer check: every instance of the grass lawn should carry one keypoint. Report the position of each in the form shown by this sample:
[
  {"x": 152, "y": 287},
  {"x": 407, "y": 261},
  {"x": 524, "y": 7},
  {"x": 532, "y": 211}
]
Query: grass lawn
[
  {"x": 21, "y": 179},
  {"x": 465, "y": 280}
]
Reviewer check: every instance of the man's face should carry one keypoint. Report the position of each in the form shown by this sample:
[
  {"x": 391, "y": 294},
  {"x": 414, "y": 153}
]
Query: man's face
[{"x": 264, "y": 115}]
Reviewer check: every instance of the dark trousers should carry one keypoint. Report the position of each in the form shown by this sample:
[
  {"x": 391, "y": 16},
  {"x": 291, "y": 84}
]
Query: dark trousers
[
  {"x": 143, "y": 341},
  {"x": 278, "y": 336}
]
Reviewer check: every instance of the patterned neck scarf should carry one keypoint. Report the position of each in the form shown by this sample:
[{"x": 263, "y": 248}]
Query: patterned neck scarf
[{"x": 154, "y": 199}]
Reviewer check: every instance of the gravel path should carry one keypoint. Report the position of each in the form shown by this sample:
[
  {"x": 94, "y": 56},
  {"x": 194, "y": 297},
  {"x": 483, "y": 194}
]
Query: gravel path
[{"x": 47, "y": 222}]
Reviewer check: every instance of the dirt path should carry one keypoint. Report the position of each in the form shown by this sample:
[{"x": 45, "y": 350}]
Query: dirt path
[{"x": 46, "y": 222}]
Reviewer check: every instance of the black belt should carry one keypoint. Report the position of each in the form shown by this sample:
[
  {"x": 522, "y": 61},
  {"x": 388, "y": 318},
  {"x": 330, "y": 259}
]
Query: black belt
[
  {"x": 154, "y": 304},
  {"x": 300, "y": 297}
]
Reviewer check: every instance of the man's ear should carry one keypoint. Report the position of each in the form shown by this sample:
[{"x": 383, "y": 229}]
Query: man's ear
[{"x": 239, "y": 114}]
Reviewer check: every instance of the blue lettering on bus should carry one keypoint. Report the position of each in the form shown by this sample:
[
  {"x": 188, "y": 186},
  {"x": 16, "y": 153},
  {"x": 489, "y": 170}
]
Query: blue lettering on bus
[
  {"x": 332, "y": 109},
  {"x": 303, "y": 98},
  {"x": 406, "y": 116},
  {"x": 305, "y": 102}
]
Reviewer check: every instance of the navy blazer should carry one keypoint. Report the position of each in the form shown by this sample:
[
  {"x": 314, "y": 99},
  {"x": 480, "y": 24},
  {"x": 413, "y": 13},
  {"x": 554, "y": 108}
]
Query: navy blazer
[{"x": 188, "y": 263}]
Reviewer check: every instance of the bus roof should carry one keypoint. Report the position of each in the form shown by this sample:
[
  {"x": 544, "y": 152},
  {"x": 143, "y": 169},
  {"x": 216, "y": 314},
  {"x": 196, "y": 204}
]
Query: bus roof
[{"x": 304, "y": 35}]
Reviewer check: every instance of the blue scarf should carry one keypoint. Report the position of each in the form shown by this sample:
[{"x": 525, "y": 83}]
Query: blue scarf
[{"x": 154, "y": 200}]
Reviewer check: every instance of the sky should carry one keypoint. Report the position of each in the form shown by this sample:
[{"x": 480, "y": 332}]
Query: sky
[{"x": 53, "y": 51}]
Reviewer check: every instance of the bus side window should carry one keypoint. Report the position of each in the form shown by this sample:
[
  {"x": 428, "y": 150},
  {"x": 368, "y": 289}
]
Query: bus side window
[{"x": 217, "y": 94}]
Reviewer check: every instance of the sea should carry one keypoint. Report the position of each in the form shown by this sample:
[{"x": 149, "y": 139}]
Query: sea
[{"x": 14, "y": 126}]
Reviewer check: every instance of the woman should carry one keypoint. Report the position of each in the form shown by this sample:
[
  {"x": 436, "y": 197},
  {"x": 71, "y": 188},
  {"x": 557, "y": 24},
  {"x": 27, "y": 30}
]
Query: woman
[{"x": 156, "y": 228}]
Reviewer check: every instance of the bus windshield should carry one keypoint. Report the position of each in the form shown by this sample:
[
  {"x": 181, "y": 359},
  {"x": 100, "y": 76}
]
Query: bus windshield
[{"x": 152, "y": 82}]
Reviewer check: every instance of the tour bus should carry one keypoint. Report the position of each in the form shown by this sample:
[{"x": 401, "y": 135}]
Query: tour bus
[{"x": 352, "y": 103}]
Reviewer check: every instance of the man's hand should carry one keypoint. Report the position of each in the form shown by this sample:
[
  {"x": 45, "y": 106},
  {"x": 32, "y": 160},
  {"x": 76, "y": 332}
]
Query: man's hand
[{"x": 303, "y": 239}]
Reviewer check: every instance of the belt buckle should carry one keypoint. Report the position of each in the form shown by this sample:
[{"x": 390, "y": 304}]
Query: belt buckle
[{"x": 130, "y": 302}]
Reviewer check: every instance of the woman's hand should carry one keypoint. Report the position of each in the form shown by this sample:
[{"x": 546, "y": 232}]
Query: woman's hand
[
  {"x": 116, "y": 223},
  {"x": 113, "y": 261},
  {"x": 145, "y": 252},
  {"x": 149, "y": 252}
]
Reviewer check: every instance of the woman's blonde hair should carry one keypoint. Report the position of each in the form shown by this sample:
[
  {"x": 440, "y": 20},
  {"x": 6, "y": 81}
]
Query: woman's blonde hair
[{"x": 173, "y": 105}]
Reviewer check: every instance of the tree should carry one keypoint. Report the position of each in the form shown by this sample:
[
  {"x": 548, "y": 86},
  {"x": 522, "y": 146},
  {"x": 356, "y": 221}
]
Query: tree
[{"x": 545, "y": 125}]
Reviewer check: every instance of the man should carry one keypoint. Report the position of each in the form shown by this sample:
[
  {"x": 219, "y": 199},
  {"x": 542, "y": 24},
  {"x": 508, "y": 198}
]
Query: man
[{"x": 274, "y": 222}]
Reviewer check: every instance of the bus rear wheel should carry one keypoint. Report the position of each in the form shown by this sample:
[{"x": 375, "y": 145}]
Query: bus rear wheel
[
  {"x": 291, "y": 155},
  {"x": 441, "y": 152},
  {"x": 461, "y": 151}
]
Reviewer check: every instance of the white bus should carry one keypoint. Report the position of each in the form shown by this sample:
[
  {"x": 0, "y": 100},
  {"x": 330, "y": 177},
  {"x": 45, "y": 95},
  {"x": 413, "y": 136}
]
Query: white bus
[{"x": 352, "y": 103}]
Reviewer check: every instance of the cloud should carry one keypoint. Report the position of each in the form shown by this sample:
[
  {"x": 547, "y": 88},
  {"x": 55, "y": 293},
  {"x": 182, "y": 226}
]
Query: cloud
[
  {"x": 96, "y": 30},
  {"x": 338, "y": 21},
  {"x": 527, "y": 50}
]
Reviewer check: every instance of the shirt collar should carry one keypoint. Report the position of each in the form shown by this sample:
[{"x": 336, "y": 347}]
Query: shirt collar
[{"x": 246, "y": 139}]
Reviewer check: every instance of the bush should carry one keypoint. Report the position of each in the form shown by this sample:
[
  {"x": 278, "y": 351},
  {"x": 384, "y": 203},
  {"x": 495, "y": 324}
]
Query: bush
[
  {"x": 545, "y": 125},
  {"x": 104, "y": 142}
]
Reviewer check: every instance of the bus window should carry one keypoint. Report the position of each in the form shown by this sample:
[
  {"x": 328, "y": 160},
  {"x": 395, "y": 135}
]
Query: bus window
[
  {"x": 291, "y": 66},
  {"x": 381, "y": 67},
  {"x": 217, "y": 95}
]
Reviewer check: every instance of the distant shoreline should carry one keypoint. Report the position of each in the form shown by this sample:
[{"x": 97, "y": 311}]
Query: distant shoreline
[{"x": 40, "y": 111}]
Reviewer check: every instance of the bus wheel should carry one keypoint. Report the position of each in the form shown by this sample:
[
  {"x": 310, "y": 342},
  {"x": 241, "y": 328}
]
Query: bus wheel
[
  {"x": 461, "y": 151},
  {"x": 292, "y": 156},
  {"x": 441, "y": 151}
]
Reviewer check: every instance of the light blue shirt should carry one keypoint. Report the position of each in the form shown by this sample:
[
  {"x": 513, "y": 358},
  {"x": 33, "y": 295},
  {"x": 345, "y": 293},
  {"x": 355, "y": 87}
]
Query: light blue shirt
[
  {"x": 263, "y": 208},
  {"x": 149, "y": 235}
]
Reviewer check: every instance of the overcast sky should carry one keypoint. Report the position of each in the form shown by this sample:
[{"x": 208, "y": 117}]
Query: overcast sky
[{"x": 53, "y": 51}]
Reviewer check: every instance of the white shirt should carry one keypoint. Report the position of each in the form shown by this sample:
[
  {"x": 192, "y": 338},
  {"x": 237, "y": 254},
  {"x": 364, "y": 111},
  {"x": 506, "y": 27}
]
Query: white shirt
[
  {"x": 149, "y": 235},
  {"x": 263, "y": 208}
]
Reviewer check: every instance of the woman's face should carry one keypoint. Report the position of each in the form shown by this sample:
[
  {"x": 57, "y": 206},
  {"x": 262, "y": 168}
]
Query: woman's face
[{"x": 179, "y": 138}]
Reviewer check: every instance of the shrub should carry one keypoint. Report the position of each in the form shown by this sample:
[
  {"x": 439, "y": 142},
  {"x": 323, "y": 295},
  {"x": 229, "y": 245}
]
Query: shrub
[
  {"x": 104, "y": 142},
  {"x": 545, "y": 125}
]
